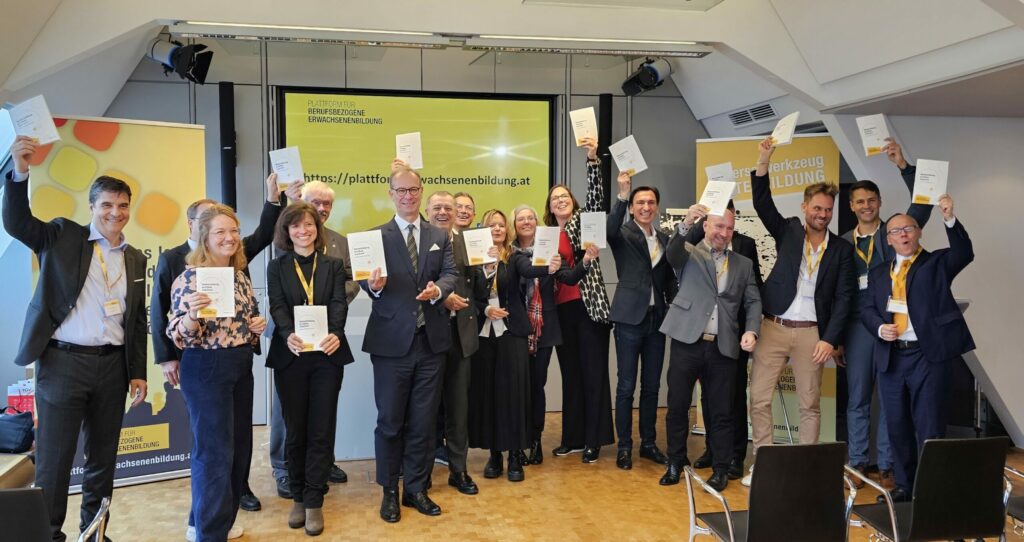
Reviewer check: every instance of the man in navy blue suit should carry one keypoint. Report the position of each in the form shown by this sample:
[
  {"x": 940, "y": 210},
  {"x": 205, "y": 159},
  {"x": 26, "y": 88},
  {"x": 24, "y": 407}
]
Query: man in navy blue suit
[
  {"x": 910, "y": 308},
  {"x": 407, "y": 337}
]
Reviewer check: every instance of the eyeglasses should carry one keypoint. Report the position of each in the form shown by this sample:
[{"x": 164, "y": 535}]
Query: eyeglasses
[
  {"x": 561, "y": 197},
  {"x": 414, "y": 191},
  {"x": 905, "y": 229}
]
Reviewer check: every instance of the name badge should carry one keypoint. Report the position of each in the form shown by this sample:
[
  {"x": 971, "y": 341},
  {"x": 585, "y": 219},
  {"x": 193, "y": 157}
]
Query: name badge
[
  {"x": 862, "y": 282},
  {"x": 896, "y": 306},
  {"x": 111, "y": 307}
]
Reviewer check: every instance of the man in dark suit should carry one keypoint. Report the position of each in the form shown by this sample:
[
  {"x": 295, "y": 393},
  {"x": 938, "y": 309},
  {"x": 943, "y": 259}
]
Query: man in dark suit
[
  {"x": 171, "y": 263},
  {"x": 85, "y": 328},
  {"x": 919, "y": 329},
  {"x": 646, "y": 286},
  {"x": 744, "y": 246},
  {"x": 716, "y": 285},
  {"x": 868, "y": 239},
  {"x": 471, "y": 285},
  {"x": 407, "y": 337},
  {"x": 806, "y": 301}
]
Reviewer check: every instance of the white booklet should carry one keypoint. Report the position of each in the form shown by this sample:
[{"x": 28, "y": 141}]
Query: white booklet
[
  {"x": 593, "y": 229},
  {"x": 721, "y": 172},
  {"x": 784, "y": 130},
  {"x": 288, "y": 165},
  {"x": 311, "y": 326},
  {"x": 716, "y": 196},
  {"x": 930, "y": 181},
  {"x": 8, "y": 135},
  {"x": 409, "y": 149},
  {"x": 545, "y": 244},
  {"x": 478, "y": 241},
  {"x": 366, "y": 251},
  {"x": 584, "y": 124},
  {"x": 32, "y": 118},
  {"x": 219, "y": 284},
  {"x": 873, "y": 132},
  {"x": 627, "y": 156}
]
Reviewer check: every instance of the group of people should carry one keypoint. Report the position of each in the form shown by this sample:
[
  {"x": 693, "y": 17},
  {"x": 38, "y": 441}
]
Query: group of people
[{"x": 474, "y": 342}]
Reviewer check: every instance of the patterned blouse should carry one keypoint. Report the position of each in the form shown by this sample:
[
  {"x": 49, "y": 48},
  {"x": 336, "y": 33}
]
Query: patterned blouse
[
  {"x": 595, "y": 297},
  {"x": 212, "y": 333}
]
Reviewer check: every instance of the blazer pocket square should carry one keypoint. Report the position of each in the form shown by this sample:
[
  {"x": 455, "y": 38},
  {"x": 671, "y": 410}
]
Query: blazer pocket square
[{"x": 434, "y": 247}]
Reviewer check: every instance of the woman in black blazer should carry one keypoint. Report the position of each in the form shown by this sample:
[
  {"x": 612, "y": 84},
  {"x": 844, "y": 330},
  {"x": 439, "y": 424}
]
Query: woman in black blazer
[{"x": 307, "y": 376}]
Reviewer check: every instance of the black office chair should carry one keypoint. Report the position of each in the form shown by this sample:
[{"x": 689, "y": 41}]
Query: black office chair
[
  {"x": 959, "y": 493},
  {"x": 1015, "y": 505},
  {"x": 802, "y": 481},
  {"x": 23, "y": 515}
]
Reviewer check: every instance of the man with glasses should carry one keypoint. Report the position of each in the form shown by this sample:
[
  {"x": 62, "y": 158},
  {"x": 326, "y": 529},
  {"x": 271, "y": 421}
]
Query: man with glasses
[
  {"x": 407, "y": 337},
  {"x": 919, "y": 329}
]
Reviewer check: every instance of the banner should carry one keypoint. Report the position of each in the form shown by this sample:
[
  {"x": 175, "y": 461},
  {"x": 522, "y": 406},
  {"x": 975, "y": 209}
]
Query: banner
[
  {"x": 809, "y": 159},
  {"x": 496, "y": 149},
  {"x": 164, "y": 166}
]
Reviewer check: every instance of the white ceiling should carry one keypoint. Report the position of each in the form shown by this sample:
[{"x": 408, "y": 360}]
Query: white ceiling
[{"x": 678, "y": 5}]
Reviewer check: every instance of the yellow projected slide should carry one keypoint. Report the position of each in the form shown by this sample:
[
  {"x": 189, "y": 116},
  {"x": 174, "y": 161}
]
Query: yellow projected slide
[{"x": 498, "y": 150}]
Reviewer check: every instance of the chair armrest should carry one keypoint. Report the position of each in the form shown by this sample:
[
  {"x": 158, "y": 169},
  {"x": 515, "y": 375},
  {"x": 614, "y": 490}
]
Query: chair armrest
[
  {"x": 850, "y": 471},
  {"x": 692, "y": 475},
  {"x": 850, "y": 498},
  {"x": 1013, "y": 471}
]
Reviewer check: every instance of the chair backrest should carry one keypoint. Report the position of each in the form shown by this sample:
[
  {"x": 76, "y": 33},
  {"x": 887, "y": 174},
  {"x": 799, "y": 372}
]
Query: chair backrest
[
  {"x": 958, "y": 489},
  {"x": 23, "y": 515},
  {"x": 796, "y": 494}
]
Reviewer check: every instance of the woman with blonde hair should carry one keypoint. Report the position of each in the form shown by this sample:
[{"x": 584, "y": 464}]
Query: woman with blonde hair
[{"x": 216, "y": 373}]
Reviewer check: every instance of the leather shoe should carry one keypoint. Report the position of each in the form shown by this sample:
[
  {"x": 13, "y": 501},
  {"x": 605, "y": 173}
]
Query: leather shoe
[
  {"x": 719, "y": 480},
  {"x": 671, "y": 476},
  {"x": 249, "y": 502},
  {"x": 704, "y": 461},
  {"x": 898, "y": 495},
  {"x": 590, "y": 455},
  {"x": 564, "y": 450},
  {"x": 888, "y": 479},
  {"x": 515, "y": 468},
  {"x": 389, "y": 510},
  {"x": 284, "y": 488},
  {"x": 337, "y": 476},
  {"x": 654, "y": 454},
  {"x": 422, "y": 503},
  {"x": 624, "y": 459},
  {"x": 495, "y": 466},
  {"x": 857, "y": 482},
  {"x": 536, "y": 454},
  {"x": 735, "y": 471},
  {"x": 462, "y": 482}
]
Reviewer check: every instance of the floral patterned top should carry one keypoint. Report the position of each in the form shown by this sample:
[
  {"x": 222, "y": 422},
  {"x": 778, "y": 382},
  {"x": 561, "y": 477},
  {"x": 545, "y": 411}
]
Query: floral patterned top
[{"x": 212, "y": 333}]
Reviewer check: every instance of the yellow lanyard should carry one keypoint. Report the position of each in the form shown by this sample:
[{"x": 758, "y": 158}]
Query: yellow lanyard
[
  {"x": 725, "y": 267},
  {"x": 899, "y": 279},
  {"x": 307, "y": 286},
  {"x": 811, "y": 268},
  {"x": 103, "y": 265},
  {"x": 871, "y": 247}
]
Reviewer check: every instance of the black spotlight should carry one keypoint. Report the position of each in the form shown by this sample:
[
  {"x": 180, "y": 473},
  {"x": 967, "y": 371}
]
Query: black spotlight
[
  {"x": 651, "y": 74},
  {"x": 188, "y": 61}
]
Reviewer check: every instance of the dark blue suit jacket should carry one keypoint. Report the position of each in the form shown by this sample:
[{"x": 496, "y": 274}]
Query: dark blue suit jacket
[
  {"x": 392, "y": 323},
  {"x": 938, "y": 322},
  {"x": 636, "y": 276}
]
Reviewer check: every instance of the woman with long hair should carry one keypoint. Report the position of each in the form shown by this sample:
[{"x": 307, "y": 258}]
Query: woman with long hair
[
  {"x": 216, "y": 373},
  {"x": 307, "y": 376}
]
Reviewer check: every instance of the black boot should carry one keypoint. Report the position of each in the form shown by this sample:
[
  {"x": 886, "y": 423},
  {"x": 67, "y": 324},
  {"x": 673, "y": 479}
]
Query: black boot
[
  {"x": 536, "y": 454},
  {"x": 515, "y": 468},
  {"x": 495, "y": 465}
]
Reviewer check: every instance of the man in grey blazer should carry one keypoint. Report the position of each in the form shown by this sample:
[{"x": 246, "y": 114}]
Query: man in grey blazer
[
  {"x": 407, "y": 336},
  {"x": 702, "y": 321}
]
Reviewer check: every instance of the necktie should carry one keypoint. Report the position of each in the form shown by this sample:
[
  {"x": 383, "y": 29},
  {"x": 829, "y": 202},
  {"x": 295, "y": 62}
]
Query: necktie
[
  {"x": 414, "y": 256},
  {"x": 899, "y": 291}
]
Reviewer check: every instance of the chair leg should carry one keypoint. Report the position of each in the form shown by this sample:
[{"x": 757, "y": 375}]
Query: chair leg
[{"x": 785, "y": 413}]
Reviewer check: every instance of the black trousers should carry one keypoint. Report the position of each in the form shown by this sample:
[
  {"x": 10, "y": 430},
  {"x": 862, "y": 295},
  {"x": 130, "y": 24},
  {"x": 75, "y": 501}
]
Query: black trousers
[
  {"x": 539, "y": 363},
  {"x": 738, "y": 414},
  {"x": 717, "y": 374},
  {"x": 455, "y": 402},
  {"x": 407, "y": 391},
  {"x": 586, "y": 392},
  {"x": 78, "y": 393},
  {"x": 308, "y": 388}
]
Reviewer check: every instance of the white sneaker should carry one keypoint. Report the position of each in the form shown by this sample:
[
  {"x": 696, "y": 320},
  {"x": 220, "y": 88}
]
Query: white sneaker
[
  {"x": 745, "y": 482},
  {"x": 236, "y": 532},
  {"x": 190, "y": 534}
]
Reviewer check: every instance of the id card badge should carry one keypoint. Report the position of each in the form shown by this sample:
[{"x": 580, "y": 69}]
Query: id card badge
[
  {"x": 111, "y": 307},
  {"x": 805, "y": 289},
  {"x": 896, "y": 306},
  {"x": 862, "y": 282}
]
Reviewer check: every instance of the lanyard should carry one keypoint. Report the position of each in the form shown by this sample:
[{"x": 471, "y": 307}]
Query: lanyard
[
  {"x": 811, "y": 268},
  {"x": 307, "y": 286},
  {"x": 871, "y": 247},
  {"x": 103, "y": 265}
]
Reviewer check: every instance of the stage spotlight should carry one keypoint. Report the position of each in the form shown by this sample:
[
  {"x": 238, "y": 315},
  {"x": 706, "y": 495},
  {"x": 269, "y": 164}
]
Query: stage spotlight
[
  {"x": 188, "y": 61},
  {"x": 651, "y": 74}
]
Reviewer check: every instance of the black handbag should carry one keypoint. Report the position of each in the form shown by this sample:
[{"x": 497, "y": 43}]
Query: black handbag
[{"x": 16, "y": 433}]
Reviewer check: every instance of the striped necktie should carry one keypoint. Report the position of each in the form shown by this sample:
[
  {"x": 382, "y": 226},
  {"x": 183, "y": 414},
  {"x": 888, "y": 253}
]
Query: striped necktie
[{"x": 414, "y": 257}]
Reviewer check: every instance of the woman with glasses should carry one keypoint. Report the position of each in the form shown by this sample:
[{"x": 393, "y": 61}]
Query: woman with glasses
[
  {"x": 216, "y": 372},
  {"x": 583, "y": 312}
]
